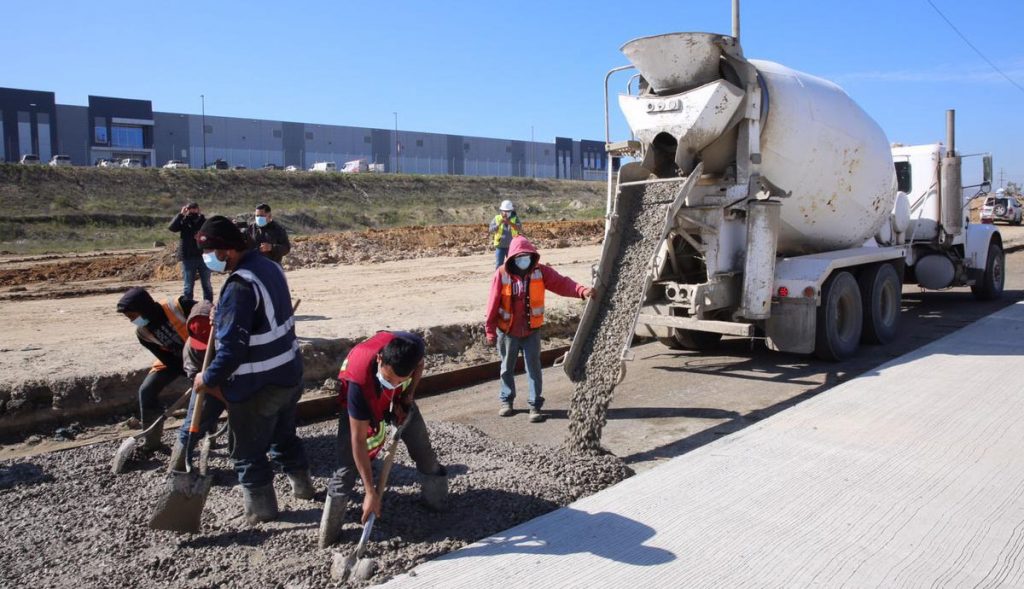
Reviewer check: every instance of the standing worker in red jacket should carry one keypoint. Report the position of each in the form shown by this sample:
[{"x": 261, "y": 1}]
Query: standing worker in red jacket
[{"x": 515, "y": 314}]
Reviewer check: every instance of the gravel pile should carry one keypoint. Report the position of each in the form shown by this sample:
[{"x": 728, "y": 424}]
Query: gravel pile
[
  {"x": 68, "y": 522},
  {"x": 642, "y": 216}
]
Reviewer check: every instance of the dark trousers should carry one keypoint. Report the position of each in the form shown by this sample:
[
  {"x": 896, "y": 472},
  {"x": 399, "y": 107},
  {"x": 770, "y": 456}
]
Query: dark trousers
[
  {"x": 189, "y": 269},
  {"x": 149, "y": 392},
  {"x": 266, "y": 423},
  {"x": 416, "y": 440}
]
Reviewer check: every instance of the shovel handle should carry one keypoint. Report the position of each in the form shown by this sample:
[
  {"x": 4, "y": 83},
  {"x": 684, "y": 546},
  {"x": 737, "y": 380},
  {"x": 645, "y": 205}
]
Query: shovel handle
[{"x": 197, "y": 408}]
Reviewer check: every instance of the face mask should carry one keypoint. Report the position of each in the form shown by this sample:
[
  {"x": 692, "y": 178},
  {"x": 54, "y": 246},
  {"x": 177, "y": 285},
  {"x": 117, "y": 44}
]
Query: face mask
[
  {"x": 214, "y": 264},
  {"x": 261, "y": 221},
  {"x": 384, "y": 382},
  {"x": 523, "y": 262},
  {"x": 140, "y": 321}
]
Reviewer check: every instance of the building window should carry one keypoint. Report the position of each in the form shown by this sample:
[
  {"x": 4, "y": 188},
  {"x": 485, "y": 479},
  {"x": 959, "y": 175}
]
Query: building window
[
  {"x": 465, "y": 147},
  {"x": 547, "y": 152},
  {"x": 208, "y": 129},
  {"x": 100, "y": 126},
  {"x": 419, "y": 143},
  {"x": 508, "y": 149},
  {"x": 277, "y": 133},
  {"x": 43, "y": 128},
  {"x": 24, "y": 133},
  {"x": 309, "y": 135},
  {"x": 122, "y": 136},
  {"x": 367, "y": 139}
]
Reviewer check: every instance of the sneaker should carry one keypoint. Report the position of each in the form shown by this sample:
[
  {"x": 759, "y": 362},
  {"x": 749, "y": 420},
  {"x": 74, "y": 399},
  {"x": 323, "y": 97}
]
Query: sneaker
[
  {"x": 536, "y": 416},
  {"x": 506, "y": 410}
]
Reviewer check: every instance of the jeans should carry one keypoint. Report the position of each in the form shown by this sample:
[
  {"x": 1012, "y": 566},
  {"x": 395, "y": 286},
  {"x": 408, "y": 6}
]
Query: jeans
[
  {"x": 416, "y": 439},
  {"x": 149, "y": 391},
  {"x": 188, "y": 271},
  {"x": 508, "y": 349},
  {"x": 212, "y": 409},
  {"x": 499, "y": 256},
  {"x": 265, "y": 423}
]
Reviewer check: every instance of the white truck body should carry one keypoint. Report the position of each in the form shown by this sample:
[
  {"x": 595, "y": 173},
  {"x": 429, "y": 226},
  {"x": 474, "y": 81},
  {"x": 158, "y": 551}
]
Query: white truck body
[
  {"x": 324, "y": 167},
  {"x": 794, "y": 224},
  {"x": 355, "y": 167}
]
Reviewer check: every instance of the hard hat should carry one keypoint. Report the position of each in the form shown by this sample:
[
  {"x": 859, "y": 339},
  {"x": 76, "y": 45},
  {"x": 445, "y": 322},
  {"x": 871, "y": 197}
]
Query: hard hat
[
  {"x": 506, "y": 205},
  {"x": 1000, "y": 191}
]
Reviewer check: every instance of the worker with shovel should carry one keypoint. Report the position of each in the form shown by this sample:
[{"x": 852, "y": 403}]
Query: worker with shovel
[
  {"x": 160, "y": 328},
  {"x": 256, "y": 368},
  {"x": 378, "y": 386}
]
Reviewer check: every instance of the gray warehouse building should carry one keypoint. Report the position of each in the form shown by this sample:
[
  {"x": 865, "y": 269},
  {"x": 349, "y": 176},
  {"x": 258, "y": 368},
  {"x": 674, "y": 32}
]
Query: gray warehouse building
[{"x": 31, "y": 122}]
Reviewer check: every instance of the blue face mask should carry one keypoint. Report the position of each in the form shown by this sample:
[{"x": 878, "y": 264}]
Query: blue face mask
[
  {"x": 523, "y": 262},
  {"x": 140, "y": 321},
  {"x": 261, "y": 221},
  {"x": 384, "y": 382},
  {"x": 214, "y": 264}
]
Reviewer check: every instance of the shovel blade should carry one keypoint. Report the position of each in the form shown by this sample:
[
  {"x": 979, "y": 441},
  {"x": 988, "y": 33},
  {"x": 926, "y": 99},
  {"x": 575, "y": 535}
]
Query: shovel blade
[
  {"x": 180, "y": 507},
  {"x": 124, "y": 452}
]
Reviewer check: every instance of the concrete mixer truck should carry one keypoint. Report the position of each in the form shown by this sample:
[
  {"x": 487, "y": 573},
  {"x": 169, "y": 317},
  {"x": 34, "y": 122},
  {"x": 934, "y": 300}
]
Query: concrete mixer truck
[{"x": 783, "y": 211}]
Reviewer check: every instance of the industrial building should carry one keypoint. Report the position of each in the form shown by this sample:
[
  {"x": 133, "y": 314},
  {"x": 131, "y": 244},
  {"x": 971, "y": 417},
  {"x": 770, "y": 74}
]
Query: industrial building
[{"x": 31, "y": 122}]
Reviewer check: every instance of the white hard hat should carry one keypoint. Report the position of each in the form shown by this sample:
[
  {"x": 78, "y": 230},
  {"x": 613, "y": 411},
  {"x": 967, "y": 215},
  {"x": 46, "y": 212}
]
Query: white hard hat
[
  {"x": 506, "y": 205},
  {"x": 1000, "y": 191}
]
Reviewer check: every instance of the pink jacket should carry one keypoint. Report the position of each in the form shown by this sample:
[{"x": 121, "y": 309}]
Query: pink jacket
[{"x": 553, "y": 281}]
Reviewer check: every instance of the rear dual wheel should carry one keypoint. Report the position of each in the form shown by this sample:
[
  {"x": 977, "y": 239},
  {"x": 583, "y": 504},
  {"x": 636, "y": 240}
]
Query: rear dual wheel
[
  {"x": 840, "y": 318},
  {"x": 688, "y": 339}
]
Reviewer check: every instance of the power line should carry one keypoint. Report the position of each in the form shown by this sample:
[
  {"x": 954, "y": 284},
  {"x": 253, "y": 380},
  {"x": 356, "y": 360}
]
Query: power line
[{"x": 971, "y": 45}]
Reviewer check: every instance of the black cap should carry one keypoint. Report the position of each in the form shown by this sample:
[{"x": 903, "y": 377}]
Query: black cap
[
  {"x": 219, "y": 233},
  {"x": 192, "y": 205},
  {"x": 136, "y": 300}
]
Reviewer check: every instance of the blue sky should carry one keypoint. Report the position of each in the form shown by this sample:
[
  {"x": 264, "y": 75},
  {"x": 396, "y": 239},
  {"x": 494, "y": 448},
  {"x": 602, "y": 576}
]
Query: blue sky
[{"x": 496, "y": 69}]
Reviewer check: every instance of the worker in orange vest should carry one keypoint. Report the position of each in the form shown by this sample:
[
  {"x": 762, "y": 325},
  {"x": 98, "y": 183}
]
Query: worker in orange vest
[
  {"x": 160, "y": 328},
  {"x": 515, "y": 314}
]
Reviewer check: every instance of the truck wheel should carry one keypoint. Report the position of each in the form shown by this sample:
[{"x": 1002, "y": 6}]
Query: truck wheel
[
  {"x": 688, "y": 339},
  {"x": 990, "y": 287},
  {"x": 840, "y": 318},
  {"x": 880, "y": 292}
]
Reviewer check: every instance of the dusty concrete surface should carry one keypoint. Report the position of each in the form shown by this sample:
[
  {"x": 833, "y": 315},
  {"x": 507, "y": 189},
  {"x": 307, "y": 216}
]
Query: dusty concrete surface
[{"x": 68, "y": 522}]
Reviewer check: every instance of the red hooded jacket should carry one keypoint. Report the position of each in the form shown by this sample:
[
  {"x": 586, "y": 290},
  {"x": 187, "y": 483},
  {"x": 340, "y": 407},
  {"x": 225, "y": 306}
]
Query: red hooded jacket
[{"x": 553, "y": 281}]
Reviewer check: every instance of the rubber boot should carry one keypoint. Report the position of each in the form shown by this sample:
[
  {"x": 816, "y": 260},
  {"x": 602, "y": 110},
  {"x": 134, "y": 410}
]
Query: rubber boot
[
  {"x": 260, "y": 504},
  {"x": 330, "y": 521},
  {"x": 154, "y": 439},
  {"x": 302, "y": 485},
  {"x": 177, "y": 462},
  {"x": 434, "y": 490}
]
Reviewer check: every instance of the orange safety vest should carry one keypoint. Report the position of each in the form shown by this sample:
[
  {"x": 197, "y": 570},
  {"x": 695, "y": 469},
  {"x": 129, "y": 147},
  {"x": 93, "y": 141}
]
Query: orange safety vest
[
  {"x": 513, "y": 220},
  {"x": 536, "y": 300},
  {"x": 176, "y": 317}
]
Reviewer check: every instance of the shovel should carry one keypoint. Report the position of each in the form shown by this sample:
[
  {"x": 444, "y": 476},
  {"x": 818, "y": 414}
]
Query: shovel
[
  {"x": 124, "y": 452},
  {"x": 351, "y": 561},
  {"x": 181, "y": 505}
]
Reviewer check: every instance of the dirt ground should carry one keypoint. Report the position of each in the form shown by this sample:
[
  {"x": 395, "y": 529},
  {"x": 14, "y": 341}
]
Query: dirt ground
[{"x": 83, "y": 273}]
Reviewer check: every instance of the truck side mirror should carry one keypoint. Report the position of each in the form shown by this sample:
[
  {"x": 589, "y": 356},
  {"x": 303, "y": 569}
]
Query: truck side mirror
[{"x": 986, "y": 164}]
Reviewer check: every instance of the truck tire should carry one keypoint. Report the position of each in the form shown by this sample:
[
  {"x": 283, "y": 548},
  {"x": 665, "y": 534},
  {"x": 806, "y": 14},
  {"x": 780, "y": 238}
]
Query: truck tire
[
  {"x": 688, "y": 339},
  {"x": 880, "y": 292},
  {"x": 990, "y": 287},
  {"x": 840, "y": 318}
]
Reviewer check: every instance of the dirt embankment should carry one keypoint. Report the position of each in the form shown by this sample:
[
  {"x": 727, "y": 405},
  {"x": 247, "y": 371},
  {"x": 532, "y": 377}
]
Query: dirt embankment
[
  {"x": 75, "y": 209},
  {"x": 349, "y": 247}
]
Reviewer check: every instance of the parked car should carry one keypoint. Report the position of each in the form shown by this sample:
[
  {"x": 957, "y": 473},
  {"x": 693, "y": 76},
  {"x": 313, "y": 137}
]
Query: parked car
[
  {"x": 60, "y": 160},
  {"x": 130, "y": 162},
  {"x": 106, "y": 163},
  {"x": 239, "y": 168},
  {"x": 324, "y": 167},
  {"x": 271, "y": 167},
  {"x": 1001, "y": 207},
  {"x": 218, "y": 164},
  {"x": 29, "y": 159},
  {"x": 292, "y": 169},
  {"x": 176, "y": 165}
]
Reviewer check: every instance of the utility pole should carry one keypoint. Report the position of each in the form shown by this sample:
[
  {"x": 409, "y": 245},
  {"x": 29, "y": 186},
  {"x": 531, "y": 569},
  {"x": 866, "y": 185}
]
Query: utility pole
[
  {"x": 203, "y": 97},
  {"x": 397, "y": 146}
]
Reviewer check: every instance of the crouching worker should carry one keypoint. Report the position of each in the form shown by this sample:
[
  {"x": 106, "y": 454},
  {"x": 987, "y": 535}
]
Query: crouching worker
[
  {"x": 198, "y": 327},
  {"x": 378, "y": 386},
  {"x": 256, "y": 368},
  {"x": 160, "y": 328}
]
